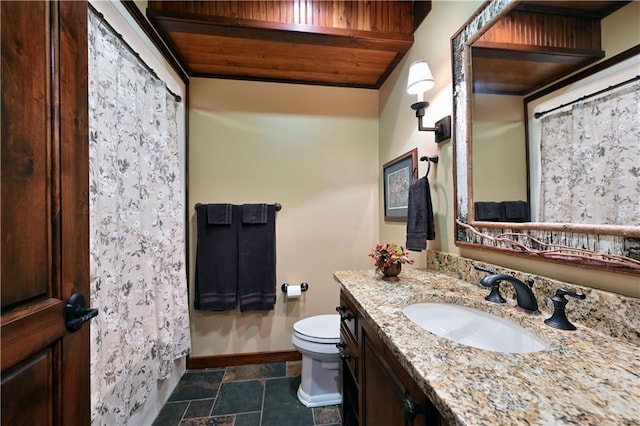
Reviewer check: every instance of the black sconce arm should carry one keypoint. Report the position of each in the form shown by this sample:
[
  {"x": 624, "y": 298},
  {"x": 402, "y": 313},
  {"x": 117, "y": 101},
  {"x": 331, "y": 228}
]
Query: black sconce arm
[{"x": 442, "y": 128}]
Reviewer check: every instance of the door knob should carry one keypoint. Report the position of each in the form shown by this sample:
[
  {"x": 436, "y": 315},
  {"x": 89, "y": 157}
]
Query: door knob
[{"x": 77, "y": 312}]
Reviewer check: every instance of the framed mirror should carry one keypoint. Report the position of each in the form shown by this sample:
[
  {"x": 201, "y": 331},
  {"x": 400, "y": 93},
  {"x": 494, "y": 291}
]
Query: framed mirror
[{"x": 485, "y": 64}]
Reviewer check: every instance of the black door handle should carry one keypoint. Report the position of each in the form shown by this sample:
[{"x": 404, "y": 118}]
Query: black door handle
[{"x": 77, "y": 312}]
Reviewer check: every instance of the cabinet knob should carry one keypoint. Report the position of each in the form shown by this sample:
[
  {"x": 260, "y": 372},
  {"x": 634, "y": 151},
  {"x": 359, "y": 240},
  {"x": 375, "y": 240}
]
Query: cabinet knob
[
  {"x": 344, "y": 355},
  {"x": 344, "y": 314},
  {"x": 411, "y": 410}
]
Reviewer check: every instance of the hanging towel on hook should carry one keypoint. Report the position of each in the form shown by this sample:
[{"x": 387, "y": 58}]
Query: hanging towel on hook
[
  {"x": 216, "y": 280},
  {"x": 257, "y": 257},
  {"x": 420, "y": 224}
]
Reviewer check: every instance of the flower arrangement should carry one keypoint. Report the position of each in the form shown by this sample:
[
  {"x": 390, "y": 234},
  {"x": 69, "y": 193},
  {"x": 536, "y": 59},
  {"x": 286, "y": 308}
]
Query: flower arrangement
[{"x": 386, "y": 255}]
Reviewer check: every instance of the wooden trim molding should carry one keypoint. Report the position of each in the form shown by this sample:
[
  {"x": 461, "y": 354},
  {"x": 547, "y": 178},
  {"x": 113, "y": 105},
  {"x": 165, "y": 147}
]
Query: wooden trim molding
[
  {"x": 217, "y": 361},
  {"x": 620, "y": 57},
  {"x": 144, "y": 24}
]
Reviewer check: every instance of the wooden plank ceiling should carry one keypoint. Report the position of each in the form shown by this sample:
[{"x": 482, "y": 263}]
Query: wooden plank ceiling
[
  {"x": 537, "y": 43},
  {"x": 337, "y": 43},
  {"x": 359, "y": 43}
]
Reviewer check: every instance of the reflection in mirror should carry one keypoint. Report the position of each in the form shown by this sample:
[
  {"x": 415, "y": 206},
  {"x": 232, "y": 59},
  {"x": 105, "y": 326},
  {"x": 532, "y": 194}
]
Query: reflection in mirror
[
  {"x": 491, "y": 166},
  {"x": 585, "y": 148},
  {"x": 500, "y": 149}
]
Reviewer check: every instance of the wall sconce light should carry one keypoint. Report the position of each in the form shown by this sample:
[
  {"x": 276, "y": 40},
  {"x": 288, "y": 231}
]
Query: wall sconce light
[{"x": 420, "y": 81}]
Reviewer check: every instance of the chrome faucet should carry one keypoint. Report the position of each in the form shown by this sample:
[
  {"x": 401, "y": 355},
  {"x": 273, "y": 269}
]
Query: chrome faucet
[{"x": 525, "y": 298}]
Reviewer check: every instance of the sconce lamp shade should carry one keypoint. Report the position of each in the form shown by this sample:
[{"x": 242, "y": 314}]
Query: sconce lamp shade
[{"x": 420, "y": 78}]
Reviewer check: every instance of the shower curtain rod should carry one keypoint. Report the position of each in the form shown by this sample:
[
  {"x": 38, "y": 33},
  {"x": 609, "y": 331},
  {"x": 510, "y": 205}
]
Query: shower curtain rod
[
  {"x": 615, "y": 86},
  {"x": 130, "y": 49}
]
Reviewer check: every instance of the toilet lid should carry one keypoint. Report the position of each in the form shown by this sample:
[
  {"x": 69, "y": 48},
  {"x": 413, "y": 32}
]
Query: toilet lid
[{"x": 319, "y": 327}]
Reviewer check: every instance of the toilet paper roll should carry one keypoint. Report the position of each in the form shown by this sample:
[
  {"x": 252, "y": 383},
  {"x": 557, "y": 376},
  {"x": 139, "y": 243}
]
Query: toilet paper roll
[{"x": 294, "y": 291}]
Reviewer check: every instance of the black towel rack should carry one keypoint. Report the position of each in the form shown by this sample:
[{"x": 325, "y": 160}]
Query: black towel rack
[
  {"x": 433, "y": 159},
  {"x": 278, "y": 206}
]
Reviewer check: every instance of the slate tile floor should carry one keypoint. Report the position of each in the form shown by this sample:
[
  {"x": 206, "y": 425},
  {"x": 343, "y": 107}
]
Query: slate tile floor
[{"x": 248, "y": 395}]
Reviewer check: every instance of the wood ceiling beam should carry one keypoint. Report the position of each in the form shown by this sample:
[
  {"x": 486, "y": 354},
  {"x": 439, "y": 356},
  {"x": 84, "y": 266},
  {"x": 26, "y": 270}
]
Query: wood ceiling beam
[{"x": 274, "y": 31}]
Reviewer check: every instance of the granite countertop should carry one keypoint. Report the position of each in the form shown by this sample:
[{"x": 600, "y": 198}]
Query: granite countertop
[{"x": 584, "y": 378}]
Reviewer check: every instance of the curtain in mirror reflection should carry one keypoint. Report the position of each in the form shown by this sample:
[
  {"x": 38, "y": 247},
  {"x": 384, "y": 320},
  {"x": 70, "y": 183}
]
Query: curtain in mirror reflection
[{"x": 590, "y": 172}]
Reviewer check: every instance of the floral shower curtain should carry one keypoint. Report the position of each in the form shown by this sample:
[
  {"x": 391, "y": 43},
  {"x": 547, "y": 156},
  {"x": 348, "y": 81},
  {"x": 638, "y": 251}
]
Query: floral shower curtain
[
  {"x": 589, "y": 171},
  {"x": 138, "y": 279}
]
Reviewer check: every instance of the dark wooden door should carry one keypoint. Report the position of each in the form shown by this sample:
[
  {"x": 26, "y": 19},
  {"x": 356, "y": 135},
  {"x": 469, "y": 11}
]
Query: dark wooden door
[{"x": 44, "y": 212}]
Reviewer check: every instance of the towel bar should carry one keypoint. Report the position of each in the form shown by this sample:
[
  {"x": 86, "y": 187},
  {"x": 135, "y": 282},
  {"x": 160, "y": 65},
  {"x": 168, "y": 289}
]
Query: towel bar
[{"x": 277, "y": 205}]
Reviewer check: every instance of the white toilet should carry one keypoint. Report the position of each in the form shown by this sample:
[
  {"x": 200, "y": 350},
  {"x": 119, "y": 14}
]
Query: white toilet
[{"x": 315, "y": 338}]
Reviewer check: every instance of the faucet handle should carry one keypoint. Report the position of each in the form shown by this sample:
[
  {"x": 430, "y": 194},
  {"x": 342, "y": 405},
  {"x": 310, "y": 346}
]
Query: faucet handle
[
  {"x": 559, "y": 318},
  {"x": 564, "y": 292},
  {"x": 530, "y": 281},
  {"x": 483, "y": 269}
]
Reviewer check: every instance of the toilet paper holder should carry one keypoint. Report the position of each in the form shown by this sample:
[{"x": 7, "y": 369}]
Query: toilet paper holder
[{"x": 303, "y": 287}]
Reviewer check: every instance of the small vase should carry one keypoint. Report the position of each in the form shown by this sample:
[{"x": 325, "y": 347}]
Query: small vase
[{"x": 390, "y": 273}]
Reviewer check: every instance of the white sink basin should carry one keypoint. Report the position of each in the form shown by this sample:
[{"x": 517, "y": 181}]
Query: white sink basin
[{"x": 475, "y": 328}]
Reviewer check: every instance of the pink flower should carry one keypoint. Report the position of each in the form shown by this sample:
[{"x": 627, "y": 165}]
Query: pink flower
[{"x": 388, "y": 254}]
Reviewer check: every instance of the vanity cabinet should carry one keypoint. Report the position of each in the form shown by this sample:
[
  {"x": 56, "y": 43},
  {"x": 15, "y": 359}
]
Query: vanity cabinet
[
  {"x": 377, "y": 390},
  {"x": 349, "y": 354}
]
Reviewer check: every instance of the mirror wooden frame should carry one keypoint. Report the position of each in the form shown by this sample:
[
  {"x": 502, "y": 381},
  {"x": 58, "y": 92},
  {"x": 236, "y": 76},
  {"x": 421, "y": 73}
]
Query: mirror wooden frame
[{"x": 596, "y": 246}]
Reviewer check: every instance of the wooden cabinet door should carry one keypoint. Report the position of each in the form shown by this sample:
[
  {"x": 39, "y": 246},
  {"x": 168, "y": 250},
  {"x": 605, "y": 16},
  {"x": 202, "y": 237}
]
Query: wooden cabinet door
[
  {"x": 44, "y": 212},
  {"x": 387, "y": 392},
  {"x": 382, "y": 394}
]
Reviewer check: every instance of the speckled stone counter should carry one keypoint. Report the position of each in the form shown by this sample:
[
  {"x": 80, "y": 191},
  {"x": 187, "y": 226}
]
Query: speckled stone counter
[
  {"x": 585, "y": 377},
  {"x": 610, "y": 313}
]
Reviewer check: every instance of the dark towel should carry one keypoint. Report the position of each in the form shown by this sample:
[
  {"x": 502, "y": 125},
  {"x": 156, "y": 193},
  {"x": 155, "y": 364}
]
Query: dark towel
[
  {"x": 216, "y": 280},
  {"x": 254, "y": 213},
  {"x": 257, "y": 260},
  {"x": 420, "y": 224},
  {"x": 219, "y": 214},
  {"x": 516, "y": 211},
  {"x": 488, "y": 211}
]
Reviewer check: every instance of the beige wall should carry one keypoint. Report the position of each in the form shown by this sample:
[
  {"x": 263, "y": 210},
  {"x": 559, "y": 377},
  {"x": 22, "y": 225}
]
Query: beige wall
[
  {"x": 499, "y": 148},
  {"x": 620, "y": 30},
  {"x": 322, "y": 159},
  {"x": 399, "y": 126},
  {"x": 314, "y": 150},
  {"x": 398, "y": 134}
]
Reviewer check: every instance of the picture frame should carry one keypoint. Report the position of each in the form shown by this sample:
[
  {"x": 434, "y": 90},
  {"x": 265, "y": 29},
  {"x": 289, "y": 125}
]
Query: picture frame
[{"x": 398, "y": 175}]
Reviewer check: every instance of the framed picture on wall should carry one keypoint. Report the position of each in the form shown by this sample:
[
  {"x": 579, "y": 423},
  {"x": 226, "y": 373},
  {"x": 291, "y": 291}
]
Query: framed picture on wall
[{"x": 398, "y": 175}]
